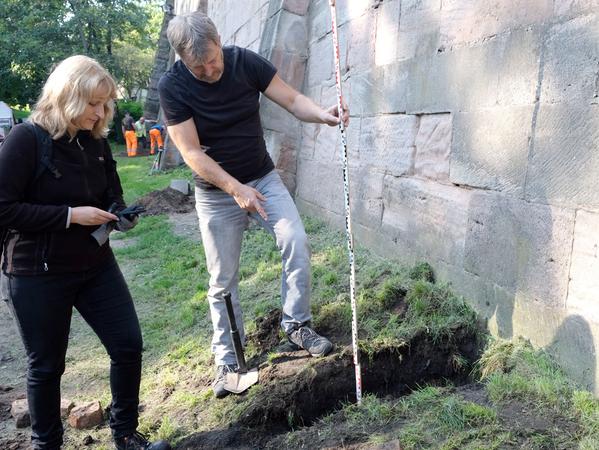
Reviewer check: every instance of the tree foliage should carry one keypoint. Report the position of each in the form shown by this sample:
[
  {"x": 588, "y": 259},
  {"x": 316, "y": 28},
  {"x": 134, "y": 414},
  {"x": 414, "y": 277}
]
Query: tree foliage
[{"x": 35, "y": 35}]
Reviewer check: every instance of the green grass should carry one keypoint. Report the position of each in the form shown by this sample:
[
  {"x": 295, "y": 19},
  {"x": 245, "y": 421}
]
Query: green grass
[{"x": 168, "y": 279}]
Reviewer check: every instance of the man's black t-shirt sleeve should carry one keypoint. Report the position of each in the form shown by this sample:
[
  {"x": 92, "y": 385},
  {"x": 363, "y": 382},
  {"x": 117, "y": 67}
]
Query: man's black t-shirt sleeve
[
  {"x": 175, "y": 107},
  {"x": 259, "y": 70}
]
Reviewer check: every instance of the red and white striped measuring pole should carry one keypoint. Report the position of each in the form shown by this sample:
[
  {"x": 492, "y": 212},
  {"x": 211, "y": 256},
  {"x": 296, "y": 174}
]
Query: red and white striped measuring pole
[{"x": 348, "y": 230}]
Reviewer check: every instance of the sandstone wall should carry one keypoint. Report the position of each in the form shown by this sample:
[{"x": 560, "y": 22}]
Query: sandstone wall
[{"x": 472, "y": 145}]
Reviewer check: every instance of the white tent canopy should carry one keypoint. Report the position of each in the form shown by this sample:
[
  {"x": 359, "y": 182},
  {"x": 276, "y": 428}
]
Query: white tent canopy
[{"x": 6, "y": 116}]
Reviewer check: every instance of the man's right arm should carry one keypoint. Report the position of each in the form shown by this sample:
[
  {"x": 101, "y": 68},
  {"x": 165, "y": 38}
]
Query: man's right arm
[{"x": 185, "y": 137}]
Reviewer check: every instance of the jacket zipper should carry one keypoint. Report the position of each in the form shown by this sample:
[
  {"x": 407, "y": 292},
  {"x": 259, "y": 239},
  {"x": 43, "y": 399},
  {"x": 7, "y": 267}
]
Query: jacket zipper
[{"x": 45, "y": 253}]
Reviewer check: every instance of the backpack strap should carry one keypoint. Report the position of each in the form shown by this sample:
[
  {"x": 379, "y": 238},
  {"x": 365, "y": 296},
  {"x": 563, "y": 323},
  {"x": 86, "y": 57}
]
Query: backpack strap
[{"x": 45, "y": 153}]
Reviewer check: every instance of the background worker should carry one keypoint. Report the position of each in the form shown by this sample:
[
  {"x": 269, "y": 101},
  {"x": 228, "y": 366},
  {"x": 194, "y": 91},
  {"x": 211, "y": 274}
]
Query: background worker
[
  {"x": 128, "y": 127},
  {"x": 156, "y": 138},
  {"x": 141, "y": 133},
  {"x": 211, "y": 97}
]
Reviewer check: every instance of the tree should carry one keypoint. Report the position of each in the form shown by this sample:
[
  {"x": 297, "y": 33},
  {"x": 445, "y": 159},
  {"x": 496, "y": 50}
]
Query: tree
[{"x": 34, "y": 35}]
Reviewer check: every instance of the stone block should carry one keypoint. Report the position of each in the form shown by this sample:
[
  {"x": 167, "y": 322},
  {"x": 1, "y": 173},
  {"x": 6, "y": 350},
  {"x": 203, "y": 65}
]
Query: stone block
[
  {"x": 366, "y": 196},
  {"x": 433, "y": 145},
  {"x": 65, "y": 407},
  {"x": 320, "y": 63},
  {"x": 418, "y": 29},
  {"x": 469, "y": 21},
  {"x": 350, "y": 10},
  {"x": 327, "y": 145},
  {"x": 357, "y": 43},
  {"x": 308, "y": 141},
  {"x": 319, "y": 19},
  {"x": 571, "y": 61},
  {"x": 425, "y": 218},
  {"x": 573, "y": 7},
  {"x": 379, "y": 90},
  {"x": 290, "y": 66},
  {"x": 387, "y": 32},
  {"x": 86, "y": 416},
  {"x": 524, "y": 248},
  {"x": 583, "y": 292},
  {"x": 564, "y": 165},
  {"x": 181, "y": 186},
  {"x": 500, "y": 70},
  {"x": 387, "y": 143},
  {"x": 19, "y": 410},
  {"x": 249, "y": 31},
  {"x": 299, "y": 7},
  {"x": 490, "y": 148},
  {"x": 321, "y": 184}
]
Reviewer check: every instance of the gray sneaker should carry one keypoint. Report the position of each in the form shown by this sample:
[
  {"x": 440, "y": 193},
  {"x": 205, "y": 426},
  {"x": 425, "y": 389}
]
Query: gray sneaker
[
  {"x": 306, "y": 338},
  {"x": 218, "y": 385}
]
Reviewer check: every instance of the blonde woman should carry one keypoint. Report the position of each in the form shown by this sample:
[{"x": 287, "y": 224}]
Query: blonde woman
[{"x": 52, "y": 263}]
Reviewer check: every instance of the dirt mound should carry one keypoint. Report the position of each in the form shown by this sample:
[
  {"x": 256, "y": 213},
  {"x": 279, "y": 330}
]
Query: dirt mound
[
  {"x": 166, "y": 201},
  {"x": 266, "y": 335},
  {"x": 297, "y": 389}
]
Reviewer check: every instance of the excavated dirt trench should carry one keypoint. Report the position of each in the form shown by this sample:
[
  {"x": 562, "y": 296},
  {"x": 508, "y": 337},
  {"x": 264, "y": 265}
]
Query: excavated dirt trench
[{"x": 296, "y": 390}]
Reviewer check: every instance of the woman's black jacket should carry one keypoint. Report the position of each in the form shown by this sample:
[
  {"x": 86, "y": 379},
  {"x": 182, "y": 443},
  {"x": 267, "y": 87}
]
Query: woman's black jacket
[{"x": 35, "y": 209}]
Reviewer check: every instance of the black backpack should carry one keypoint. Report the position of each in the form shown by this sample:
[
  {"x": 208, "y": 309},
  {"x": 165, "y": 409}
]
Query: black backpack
[{"x": 45, "y": 152}]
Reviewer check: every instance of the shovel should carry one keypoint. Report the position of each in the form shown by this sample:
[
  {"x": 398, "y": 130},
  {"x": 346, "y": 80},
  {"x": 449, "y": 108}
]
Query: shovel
[{"x": 240, "y": 381}]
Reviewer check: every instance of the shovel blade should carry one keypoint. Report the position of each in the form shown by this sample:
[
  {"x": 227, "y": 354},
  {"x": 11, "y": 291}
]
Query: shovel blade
[{"x": 239, "y": 382}]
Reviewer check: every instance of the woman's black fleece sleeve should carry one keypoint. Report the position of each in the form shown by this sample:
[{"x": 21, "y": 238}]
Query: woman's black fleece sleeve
[{"x": 18, "y": 165}]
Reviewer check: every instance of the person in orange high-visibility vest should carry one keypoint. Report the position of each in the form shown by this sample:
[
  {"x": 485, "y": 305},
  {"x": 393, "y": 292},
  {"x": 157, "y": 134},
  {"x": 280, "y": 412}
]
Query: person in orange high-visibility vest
[
  {"x": 129, "y": 133},
  {"x": 156, "y": 138}
]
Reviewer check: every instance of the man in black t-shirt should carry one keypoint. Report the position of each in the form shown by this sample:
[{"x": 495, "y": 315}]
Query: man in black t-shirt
[{"x": 210, "y": 98}]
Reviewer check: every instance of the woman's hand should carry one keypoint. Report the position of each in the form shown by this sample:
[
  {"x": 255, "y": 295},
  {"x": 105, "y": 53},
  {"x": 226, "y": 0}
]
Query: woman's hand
[{"x": 88, "y": 215}]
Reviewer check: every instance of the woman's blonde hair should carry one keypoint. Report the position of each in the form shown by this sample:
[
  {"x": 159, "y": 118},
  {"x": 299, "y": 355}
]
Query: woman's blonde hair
[{"x": 68, "y": 90}]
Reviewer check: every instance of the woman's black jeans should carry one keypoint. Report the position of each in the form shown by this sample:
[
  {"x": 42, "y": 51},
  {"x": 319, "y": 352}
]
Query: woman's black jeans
[{"x": 42, "y": 306}]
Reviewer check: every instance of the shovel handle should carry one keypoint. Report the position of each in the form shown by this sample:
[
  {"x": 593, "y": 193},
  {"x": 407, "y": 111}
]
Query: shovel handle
[{"x": 235, "y": 334}]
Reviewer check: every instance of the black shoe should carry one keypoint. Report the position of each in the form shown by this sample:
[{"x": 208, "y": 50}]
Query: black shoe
[
  {"x": 306, "y": 338},
  {"x": 218, "y": 385},
  {"x": 138, "y": 441}
]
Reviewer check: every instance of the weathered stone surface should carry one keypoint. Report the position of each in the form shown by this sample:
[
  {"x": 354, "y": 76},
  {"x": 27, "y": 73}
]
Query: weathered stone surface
[
  {"x": 564, "y": 165},
  {"x": 249, "y": 31},
  {"x": 19, "y": 410},
  {"x": 387, "y": 32},
  {"x": 320, "y": 64},
  {"x": 426, "y": 218},
  {"x": 573, "y": 7},
  {"x": 86, "y": 416},
  {"x": 583, "y": 292},
  {"x": 571, "y": 61},
  {"x": 501, "y": 70},
  {"x": 366, "y": 196},
  {"x": 356, "y": 43},
  {"x": 320, "y": 19},
  {"x": 291, "y": 67},
  {"x": 299, "y": 7},
  {"x": 433, "y": 145},
  {"x": 387, "y": 143},
  {"x": 490, "y": 148},
  {"x": 418, "y": 29},
  {"x": 366, "y": 93},
  {"x": 65, "y": 407},
  {"x": 522, "y": 247},
  {"x": 321, "y": 184},
  {"x": 466, "y": 21},
  {"x": 350, "y": 10}
]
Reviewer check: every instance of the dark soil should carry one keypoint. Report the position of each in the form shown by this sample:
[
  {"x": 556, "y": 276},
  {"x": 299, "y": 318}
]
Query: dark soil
[
  {"x": 297, "y": 390},
  {"x": 166, "y": 201}
]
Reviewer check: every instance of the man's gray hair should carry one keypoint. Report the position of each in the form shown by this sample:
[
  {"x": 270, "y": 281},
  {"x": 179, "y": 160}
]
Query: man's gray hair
[{"x": 190, "y": 34}]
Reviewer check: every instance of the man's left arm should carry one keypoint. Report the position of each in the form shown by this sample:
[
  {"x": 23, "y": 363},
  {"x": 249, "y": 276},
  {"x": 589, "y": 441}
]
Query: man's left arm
[{"x": 301, "y": 106}]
